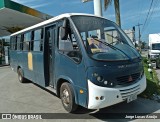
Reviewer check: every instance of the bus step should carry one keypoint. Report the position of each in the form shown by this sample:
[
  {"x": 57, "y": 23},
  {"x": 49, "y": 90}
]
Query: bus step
[{"x": 51, "y": 89}]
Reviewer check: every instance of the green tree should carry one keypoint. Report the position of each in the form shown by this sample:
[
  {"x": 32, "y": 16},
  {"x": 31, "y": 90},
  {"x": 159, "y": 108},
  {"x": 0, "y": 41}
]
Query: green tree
[
  {"x": 143, "y": 45},
  {"x": 117, "y": 9}
]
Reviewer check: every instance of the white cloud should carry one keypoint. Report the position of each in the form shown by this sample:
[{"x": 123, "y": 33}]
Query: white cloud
[
  {"x": 32, "y": 3},
  {"x": 40, "y": 5}
]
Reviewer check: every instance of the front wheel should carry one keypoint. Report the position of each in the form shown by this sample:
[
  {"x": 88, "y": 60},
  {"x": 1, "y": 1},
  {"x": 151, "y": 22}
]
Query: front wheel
[{"x": 67, "y": 97}]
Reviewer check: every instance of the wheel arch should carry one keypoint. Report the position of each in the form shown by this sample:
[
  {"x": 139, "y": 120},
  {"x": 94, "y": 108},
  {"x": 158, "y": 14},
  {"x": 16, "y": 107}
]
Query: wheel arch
[
  {"x": 18, "y": 68},
  {"x": 62, "y": 80}
]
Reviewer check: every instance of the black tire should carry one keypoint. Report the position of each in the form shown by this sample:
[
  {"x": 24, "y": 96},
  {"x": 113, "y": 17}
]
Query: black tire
[
  {"x": 68, "y": 101},
  {"x": 157, "y": 65},
  {"x": 21, "y": 76},
  {"x": 148, "y": 57}
]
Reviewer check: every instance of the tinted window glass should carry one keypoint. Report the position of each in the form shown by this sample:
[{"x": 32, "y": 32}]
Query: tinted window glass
[
  {"x": 38, "y": 41},
  {"x": 70, "y": 47},
  {"x": 18, "y": 42},
  {"x": 27, "y": 36},
  {"x": 13, "y": 43},
  {"x": 103, "y": 39},
  {"x": 26, "y": 43}
]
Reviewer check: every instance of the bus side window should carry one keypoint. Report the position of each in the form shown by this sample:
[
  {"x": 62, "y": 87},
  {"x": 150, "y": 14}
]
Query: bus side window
[
  {"x": 26, "y": 41},
  {"x": 65, "y": 45},
  {"x": 11, "y": 43},
  {"x": 18, "y": 42},
  {"x": 70, "y": 47},
  {"x": 38, "y": 40}
]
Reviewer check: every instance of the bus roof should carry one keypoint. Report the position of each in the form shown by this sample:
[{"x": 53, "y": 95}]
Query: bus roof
[{"x": 52, "y": 20}]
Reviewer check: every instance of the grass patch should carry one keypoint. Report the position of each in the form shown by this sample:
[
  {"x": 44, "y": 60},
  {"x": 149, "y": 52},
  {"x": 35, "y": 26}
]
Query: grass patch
[{"x": 152, "y": 82}]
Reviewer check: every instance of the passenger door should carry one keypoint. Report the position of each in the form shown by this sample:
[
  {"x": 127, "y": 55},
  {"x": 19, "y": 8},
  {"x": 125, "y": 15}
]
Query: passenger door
[{"x": 50, "y": 54}]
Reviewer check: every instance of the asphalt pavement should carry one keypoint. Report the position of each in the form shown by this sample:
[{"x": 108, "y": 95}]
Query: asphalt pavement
[{"x": 16, "y": 97}]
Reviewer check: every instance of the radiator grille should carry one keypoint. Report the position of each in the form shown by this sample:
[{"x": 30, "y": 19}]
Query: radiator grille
[{"x": 127, "y": 79}]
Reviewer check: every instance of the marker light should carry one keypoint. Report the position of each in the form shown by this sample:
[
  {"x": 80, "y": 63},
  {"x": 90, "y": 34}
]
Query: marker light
[{"x": 81, "y": 91}]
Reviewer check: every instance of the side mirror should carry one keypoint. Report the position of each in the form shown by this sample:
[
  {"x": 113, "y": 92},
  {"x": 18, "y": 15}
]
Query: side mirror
[{"x": 64, "y": 30}]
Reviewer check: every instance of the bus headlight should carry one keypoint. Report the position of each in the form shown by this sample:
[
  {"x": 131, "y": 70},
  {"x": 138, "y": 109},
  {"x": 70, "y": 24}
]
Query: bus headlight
[
  {"x": 102, "y": 81},
  {"x": 100, "y": 78}
]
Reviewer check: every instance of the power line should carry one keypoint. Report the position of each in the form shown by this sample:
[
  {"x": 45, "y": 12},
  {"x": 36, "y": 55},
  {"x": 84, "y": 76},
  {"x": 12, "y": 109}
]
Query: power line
[
  {"x": 153, "y": 11},
  {"x": 147, "y": 15}
]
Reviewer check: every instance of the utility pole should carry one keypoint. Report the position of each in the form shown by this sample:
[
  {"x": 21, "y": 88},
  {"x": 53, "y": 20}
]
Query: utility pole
[
  {"x": 97, "y": 6},
  {"x": 139, "y": 35}
]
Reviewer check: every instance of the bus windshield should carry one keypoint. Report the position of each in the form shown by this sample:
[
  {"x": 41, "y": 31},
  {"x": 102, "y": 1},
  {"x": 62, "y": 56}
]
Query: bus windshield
[{"x": 103, "y": 39}]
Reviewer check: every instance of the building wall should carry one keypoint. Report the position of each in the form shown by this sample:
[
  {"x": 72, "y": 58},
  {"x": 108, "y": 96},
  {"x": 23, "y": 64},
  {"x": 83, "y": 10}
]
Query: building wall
[{"x": 130, "y": 34}]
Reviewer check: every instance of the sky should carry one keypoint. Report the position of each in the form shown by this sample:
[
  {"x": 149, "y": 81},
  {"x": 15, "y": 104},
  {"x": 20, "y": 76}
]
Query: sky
[{"x": 132, "y": 12}]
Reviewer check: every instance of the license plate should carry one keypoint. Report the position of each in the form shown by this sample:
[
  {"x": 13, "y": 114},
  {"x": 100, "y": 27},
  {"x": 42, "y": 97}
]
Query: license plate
[{"x": 131, "y": 98}]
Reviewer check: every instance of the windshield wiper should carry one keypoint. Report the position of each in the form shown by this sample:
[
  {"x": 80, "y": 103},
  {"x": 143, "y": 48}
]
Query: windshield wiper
[
  {"x": 119, "y": 39},
  {"x": 115, "y": 37},
  {"x": 105, "y": 43},
  {"x": 113, "y": 47}
]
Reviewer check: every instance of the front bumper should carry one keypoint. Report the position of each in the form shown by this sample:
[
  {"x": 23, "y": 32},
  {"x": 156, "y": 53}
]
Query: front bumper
[{"x": 111, "y": 96}]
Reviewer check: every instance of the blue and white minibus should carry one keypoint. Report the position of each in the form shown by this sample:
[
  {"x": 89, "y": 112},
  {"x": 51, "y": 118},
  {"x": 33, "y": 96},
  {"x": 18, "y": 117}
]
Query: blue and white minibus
[{"x": 84, "y": 59}]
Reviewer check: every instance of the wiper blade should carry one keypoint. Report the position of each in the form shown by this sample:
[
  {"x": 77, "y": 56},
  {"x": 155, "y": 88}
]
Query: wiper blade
[
  {"x": 119, "y": 39},
  {"x": 105, "y": 43},
  {"x": 113, "y": 47},
  {"x": 115, "y": 37}
]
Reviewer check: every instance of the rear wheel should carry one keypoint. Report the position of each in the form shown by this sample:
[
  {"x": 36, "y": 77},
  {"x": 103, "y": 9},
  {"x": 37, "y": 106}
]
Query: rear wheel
[
  {"x": 20, "y": 75},
  {"x": 67, "y": 97}
]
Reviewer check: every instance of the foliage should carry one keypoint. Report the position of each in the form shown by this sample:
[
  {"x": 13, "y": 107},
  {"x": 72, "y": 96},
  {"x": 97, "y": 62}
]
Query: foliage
[
  {"x": 107, "y": 3},
  {"x": 152, "y": 82},
  {"x": 143, "y": 45},
  {"x": 117, "y": 9}
]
